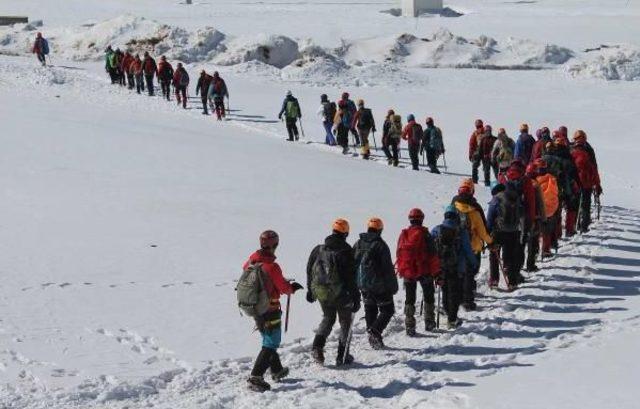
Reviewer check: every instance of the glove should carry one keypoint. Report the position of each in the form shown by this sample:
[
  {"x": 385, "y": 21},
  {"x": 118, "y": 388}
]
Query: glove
[
  {"x": 310, "y": 298},
  {"x": 598, "y": 190},
  {"x": 356, "y": 306},
  {"x": 280, "y": 117},
  {"x": 296, "y": 286}
]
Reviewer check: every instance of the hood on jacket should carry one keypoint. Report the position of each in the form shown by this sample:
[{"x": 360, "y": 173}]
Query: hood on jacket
[
  {"x": 335, "y": 241},
  {"x": 261, "y": 257},
  {"x": 370, "y": 236}
]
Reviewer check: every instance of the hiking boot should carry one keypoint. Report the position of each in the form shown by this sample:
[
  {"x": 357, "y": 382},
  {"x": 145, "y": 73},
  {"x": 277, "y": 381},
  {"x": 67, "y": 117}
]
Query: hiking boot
[
  {"x": 318, "y": 355},
  {"x": 410, "y": 319},
  {"x": 512, "y": 287},
  {"x": 493, "y": 284},
  {"x": 547, "y": 254},
  {"x": 469, "y": 306},
  {"x": 341, "y": 359},
  {"x": 258, "y": 384},
  {"x": 375, "y": 340},
  {"x": 429, "y": 316},
  {"x": 429, "y": 325},
  {"x": 411, "y": 331},
  {"x": 283, "y": 373},
  {"x": 345, "y": 151},
  {"x": 519, "y": 279},
  {"x": 389, "y": 162},
  {"x": 454, "y": 324},
  {"x": 396, "y": 163},
  {"x": 532, "y": 268}
]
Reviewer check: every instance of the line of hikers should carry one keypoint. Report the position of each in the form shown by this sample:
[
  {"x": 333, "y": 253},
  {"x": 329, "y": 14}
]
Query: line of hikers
[
  {"x": 130, "y": 70},
  {"x": 524, "y": 210}
]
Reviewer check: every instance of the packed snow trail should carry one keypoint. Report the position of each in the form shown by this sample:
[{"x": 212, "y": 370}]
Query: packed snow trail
[{"x": 590, "y": 289}]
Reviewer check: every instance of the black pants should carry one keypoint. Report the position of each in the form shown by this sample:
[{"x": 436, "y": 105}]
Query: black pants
[
  {"x": 292, "y": 128},
  {"x": 130, "y": 81},
  {"x": 391, "y": 154},
  {"x": 113, "y": 75},
  {"x": 205, "y": 101},
  {"x": 41, "y": 58},
  {"x": 487, "y": 168},
  {"x": 533, "y": 246},
  {"x": 139, "y": 83},
  {"x": 378, "y": 310},
  {"x": 121, "y": 78},
  {"x": 585, "y": 209},
  {"x": 508, "y": 251},
  {"x": 356, "y": 137},
  {"x": 432, "y": 160},
  {"x": 475, "y": 164},
  {"x": 414, "y": 155},
  {"x": 218, "y": 104},
  {"x": 411, "y": 288},
  {"x": 469, "y": 282},
  {"x": 149, "y": 79},
  {"x": 329, "y": 314},
  {"x": 452, "y": 294},
  {"x": 343, "y": 137},
  {"x": 166, "y": 89},
  {"x": 181, "y": 95},
  {"x": 267, "y": 359}
]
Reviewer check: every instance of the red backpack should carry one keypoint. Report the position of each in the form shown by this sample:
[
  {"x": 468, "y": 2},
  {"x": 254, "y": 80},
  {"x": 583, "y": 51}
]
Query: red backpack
[{"x": 411, "y": 254}]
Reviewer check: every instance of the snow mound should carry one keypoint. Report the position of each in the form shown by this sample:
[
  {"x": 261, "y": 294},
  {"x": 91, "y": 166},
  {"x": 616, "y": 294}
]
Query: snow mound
[
  {"x": 278, "y": 51},
  {"x": 609, "y": 63}
]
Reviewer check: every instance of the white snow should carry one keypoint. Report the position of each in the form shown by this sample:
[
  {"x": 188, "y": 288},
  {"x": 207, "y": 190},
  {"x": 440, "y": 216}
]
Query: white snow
[{"x": 126, "y": 218}]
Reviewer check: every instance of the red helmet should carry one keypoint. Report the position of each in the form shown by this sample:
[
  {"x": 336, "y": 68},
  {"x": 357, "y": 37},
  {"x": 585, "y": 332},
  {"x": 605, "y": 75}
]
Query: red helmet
[
  {"x": 416, "y": 214},
  {"x": 269, "y": 240},
  {"x": 467, "y": 186},
  {"x": 345, "y": 95},
  {"x": 479, "y": 123}
]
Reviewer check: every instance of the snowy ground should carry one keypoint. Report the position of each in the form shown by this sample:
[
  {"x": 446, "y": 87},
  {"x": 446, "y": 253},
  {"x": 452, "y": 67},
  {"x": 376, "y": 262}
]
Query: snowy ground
[{"x": 126, "y": 220}]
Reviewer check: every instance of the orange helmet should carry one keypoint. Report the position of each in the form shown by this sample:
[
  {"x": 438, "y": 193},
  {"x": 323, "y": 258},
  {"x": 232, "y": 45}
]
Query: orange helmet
[
  {"x": 375, "y": 223},
  {"x": 466, "y": 186},
  {"x": 579, "y": 136},
  {"x": 340, "y": 225}
]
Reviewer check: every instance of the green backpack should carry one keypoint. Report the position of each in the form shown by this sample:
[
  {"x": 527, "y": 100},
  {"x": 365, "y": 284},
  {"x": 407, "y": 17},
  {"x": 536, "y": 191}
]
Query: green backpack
[
  {"x": 293, "y": 109},
  {"x": 253, "y": 298},
  {"x": 326, "y": 284}
]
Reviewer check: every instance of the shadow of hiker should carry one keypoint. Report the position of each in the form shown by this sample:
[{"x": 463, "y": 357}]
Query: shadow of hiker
[{"x": 393, "y": 388}]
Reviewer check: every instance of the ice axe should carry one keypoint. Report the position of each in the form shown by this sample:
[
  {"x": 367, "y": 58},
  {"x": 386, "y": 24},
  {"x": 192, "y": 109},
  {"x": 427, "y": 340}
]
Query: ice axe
[
  {"x": 375, "y": 145},
  {"x": 301, "y": 128},
  {"x": 286, "y": 317}
]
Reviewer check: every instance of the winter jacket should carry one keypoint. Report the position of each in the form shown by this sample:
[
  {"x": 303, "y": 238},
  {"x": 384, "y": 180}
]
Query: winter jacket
[
  {"x": 277, "y": 285},
  {"x": 126, "y": 61},
  {"x": 432, "y": 262},
  {"x": 177, "y": 77},
  {"x": 284, "y": 106},
  {"x": 345, "y": 265},
  {"x": 149, "y": 66},
  {"x": 432, "y": 138},
  {"x": 474, "y": 144},
  {"x": 524, "y": 147},
  {"x": 379, "y": 251},
  {"x": 165, "y": 71},
  {"x": 136, "y": 66},
  {"x": 38, "y": 46},
  {"x": 112, "y": 61},
  {"x": 486, "y": 147},
  {"x": 476, "y": 226},
  {"x": 203, "y": 84},
  {"x": 587, "y": 167},
  {"x": 465, "y": 254},
  {"x": 564, "y": 171},
  {"x": 539, "y": 147},
  {"x": 471, "y": 201},
  {"x": 357, "y": 123},
  {"x": 413, "y": 137},
  {"x": 107, "y": 59},
  {"x": 218, "y": 89},
  {"x": 503, "y": 151}
]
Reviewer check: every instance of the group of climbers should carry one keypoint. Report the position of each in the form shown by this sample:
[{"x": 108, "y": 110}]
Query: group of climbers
[{"x": 130, "y": 70}]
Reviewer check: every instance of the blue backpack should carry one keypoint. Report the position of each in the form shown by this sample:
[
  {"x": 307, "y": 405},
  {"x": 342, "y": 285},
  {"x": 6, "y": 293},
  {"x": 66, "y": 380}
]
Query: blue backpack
[
  {"x": 45, "y": 46},
  {"x": 367, "y": 276}
]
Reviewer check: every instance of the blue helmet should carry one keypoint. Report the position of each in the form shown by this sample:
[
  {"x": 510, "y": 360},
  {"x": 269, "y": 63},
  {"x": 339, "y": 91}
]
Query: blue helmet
[
  {"x": 410, "y": 118},
  {"x": 450, "y": 209}
]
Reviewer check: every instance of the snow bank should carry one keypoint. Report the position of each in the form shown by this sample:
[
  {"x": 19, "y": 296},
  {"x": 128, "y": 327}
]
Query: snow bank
[
  {"x": 609, "y": 63},
  {"x": 278, "y": 51}
]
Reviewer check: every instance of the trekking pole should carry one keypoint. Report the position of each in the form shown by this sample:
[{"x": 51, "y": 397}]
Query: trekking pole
[
  {"x": 444, "y": 158},
  {"x": 423, "y": 155},
  {"x": 348, "y": 340},
  {"x": 438, "y": 312},
  {"x": 302, "y": 129},
  {"x": 421, "y": 305},
  {"x": 579, "y": 214},
  {"x": 286, "y": 317},
  {"x": 375, "y": 145},
  {"x": 598, "y": 206}
]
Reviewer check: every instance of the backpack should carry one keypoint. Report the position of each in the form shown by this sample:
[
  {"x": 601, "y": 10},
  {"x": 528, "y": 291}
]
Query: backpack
[
  {"x": 329, "y": 111},
  {"x": 367, "y": 276},
  {"x": 465, "y": 222},
  {"x": 251, "y": 291},
  {"x": 511, "y": 208},
  {"x": 435, "y": 142},
  {"x": 395, "y": 130},
  {"x": 448, "y": 246},
  {"x": 326, "y": 283},
  {"x": 416, "y": 134},
  {"x": 45, "y": 46},
  {"x": 184, "y": 78},
  {"x": 292, "y": 109},
  {"x": 346, "y": 118},
  {"x": 550, "y": 193},
  {"x": 411, "y": 255},
  {"x": 505, "y": 154},
  {"x": 366, "y": 119}
]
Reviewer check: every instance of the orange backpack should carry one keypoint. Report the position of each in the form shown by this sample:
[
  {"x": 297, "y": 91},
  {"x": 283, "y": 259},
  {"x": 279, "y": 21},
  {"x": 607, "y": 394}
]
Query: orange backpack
[{"x": 550, "y": 194}]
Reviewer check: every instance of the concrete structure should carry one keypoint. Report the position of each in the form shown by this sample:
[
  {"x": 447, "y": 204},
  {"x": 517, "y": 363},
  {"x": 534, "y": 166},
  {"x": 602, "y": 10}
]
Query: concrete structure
[
  {"x": 412, "y": 8},
  {"x": 8, "y": 20}
]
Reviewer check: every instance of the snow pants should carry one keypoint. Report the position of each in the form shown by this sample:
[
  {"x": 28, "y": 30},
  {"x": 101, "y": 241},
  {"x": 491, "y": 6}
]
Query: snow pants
[
  {"x": 392, "y": 154},
  {"x": 585, "y": 210},
  {"x": 292, "y": 128},
  {"x": 328, "y": 138},
  {"x": 487, "y": 169},
  {"x": 378, "y": 310},
  {"x": 139, "y": 83},
  {"x": 166, "y": 89},
  {"x": 181, "y": 95},
  {"x": 356, "y": 137},
  {"x": 343, "y": 137},
  {"x": 130, "y": 81},
  {"x": 364, "y": 140},
  {"x": 218, "y": 106},
  {"x": 329, "y": 314},
  {"x": 469, "y": 282},
  {"x": 533, "y": 247},
  {"x": 414, "y": 155},
  {"x": 508, "y": 251},
  {"x": 550, "y": 232},
  {"x": 475, "y": 164},
  {"x": 432, "y": 160},
  {"x": 411, "y": 289},
  {"x": 42, "y": 58},
  {"x": 452, "y": 294},
  {"x": 149, "y": 79}
]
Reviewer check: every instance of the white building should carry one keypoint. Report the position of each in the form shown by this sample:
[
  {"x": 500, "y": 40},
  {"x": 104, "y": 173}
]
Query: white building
[{"x": 412, "y": 8}]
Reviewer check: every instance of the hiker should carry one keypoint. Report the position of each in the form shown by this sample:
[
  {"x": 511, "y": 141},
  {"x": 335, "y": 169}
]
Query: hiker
[
  {"x": 341, "y": 125},
  {"x": 331, "y": 280},
  {"x": 40, "y": 48},
  {"x": 455, "y": 256},
  {"x": 269, "y": 323},
  {"x": 485, "y": 150},
  {"x": 551, "y": 199},
  {"x": 587, "y": 166},
  {"x": 560, "y": 163},
  {"x": 504, "y": 224},
  {"x": 327, "y": 112},
  {"x": 543, "y": 136},
  {"x": 432, "y": 142},
  {"x": 412, "y": 133},
  {"x": 202, "y": 89},
  {"x": 125, "y": 67},
  {"x": 474, "y": 149},
  {"x": 110, "y": 61},
  {"x": 136, "y": 69},
  {"x": 535, "y": 232},
  {"x": 292, "y": 112},
  {"x": 181, "y": 84},
  {"x": 351, "y": 112},
  {"x": 165, "y": 76},
  {"x": 417, "y": 262},
  {"x": 119, "y": 69},
  {"x": 564, "y": 134},
  {"x": 502, "y": 154},
  {"x": 528, "y": 196},
  {"x": 363, "y": 121},
  {"x": 391, "y": 135},
  {"x": 524, "y": 145},
  {"x": 472, "y": 219},
  {"x": 149, "y": 69},
  {"x": 376, "y": 280},
  {"x": 217, "y": 91}
]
